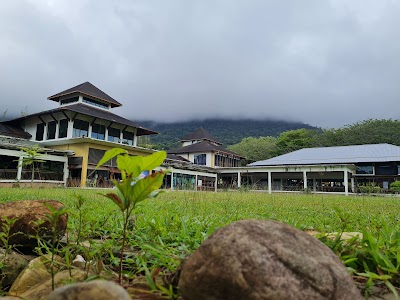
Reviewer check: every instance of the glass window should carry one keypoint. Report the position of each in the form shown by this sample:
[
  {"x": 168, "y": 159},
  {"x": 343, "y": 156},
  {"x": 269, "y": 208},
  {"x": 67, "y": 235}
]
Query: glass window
[
  {"x": 200, "y": 159},
  {"x": 95, "y": 103},
  {"x": 63, "y": 128},
  {"x": 367, "y": 170},
  {"x": 69, "y": 100},
  {"x": 98, "y": 131},
  {"x": 51, "y": 130},
  {"x": 127, "y": 138},
  {"x": 113, "y": 135},
  {"x": 40, "y": 131},
  {"x": 81, "y": 128}
]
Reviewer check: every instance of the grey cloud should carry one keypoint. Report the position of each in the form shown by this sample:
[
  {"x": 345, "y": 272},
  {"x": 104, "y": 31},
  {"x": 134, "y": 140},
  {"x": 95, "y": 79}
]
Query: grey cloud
[{"x": 326, "y": 63}]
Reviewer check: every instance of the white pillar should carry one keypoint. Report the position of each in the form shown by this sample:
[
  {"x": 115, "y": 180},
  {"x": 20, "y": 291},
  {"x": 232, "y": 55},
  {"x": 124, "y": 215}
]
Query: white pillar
[
  {"x": 172, "y": 181},
  {"x": 215, "y": 183},
  {"x": 314, "y": 183},
  {"x": 195, "y": 184},
  {"x": 90, "y": 131},
  {"x": 121, "y": 136},
  {"x": 305, "y": 179},
  {"x": 57, "y": 129},
  {"x": 269, "y": 182},
  {"x": 106, "y": 134},
  {"x": 19, "y": 170},
  {"x": 66, "y": 173},
  {"x": 346, "y": 183},
  {"x": 239, "y": 180},
  {"x": 353, "y": 187},
  {"x": 135, "y": 138},
  {"x": 70, "y": 129},
  {"x": 45, "y": 132}
]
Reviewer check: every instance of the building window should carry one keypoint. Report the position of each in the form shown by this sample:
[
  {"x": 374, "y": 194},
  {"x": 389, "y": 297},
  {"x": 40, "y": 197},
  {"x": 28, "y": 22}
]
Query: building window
[
  {"x": 98, "y": 132},
  {"x": 95, "y": 103},
  {"x": 365, "y": 170},
  {"x": 69, "y": 100},
  {"x": 127, "y": 138},
  {"x": 40, "y": 131},
  {"x": 113, "y": 135},
  {"x": 81, "y": 128},
  {"x": 51, "y": 130},
  {"x": 63, "y": 128},
  {"x": 200, "y": 159}
]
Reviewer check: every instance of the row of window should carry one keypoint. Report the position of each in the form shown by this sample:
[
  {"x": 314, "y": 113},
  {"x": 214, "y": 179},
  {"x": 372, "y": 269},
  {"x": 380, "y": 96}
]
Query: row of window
[
  {"x": 380, "y": 169},
  {"x": 223, "y": 161},
  {"x": 81, "y": 129},
  {"x": 85, "y": 100}
]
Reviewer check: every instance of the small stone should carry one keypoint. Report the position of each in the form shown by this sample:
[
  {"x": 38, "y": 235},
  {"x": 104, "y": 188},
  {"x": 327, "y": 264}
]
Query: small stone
[
  {"x": 97, "y": 289},
  {"x": 79, "y": 261},
  {"x": 264, "y": 260}
]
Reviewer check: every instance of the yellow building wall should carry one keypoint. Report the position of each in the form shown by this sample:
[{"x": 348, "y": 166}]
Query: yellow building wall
[{"x": 82, "y": 149}]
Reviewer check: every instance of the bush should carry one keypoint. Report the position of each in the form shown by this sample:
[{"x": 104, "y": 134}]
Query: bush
[
  {"x": 395, "y": 186},
  {"x": 370, "y": 188}
]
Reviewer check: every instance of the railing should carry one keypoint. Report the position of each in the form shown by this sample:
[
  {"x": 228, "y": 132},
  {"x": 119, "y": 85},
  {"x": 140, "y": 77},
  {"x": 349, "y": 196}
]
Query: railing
[{"x": 8, "y": 174}]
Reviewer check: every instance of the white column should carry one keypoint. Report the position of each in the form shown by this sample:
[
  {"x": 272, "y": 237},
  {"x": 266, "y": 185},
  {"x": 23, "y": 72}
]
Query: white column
[
  {"x": 135, "y": 138},
  {"x": 121, "y": 134},
  {"x": 172, "y": 181},
  {"x": 45, "y": 132},
  {"x": 215, "y": 183},
  {"x": 90, "y": 131},
  {"x": 70, "y": 129},
  {"x": 239, "y": 180},
  {"x": 305, "y": 179},
  {"x": 353, "y": 187},
  {"x": 346, "y": 183},
  {"x": 19, "y": 170},
  {"x": 57, "y": 129},
  {"x": 195, "y": 184},
  {"x": 269, "y": 182},
  {"x": 314, "y": 183},
  {"x": 66, "y": 173},
  {"x": 106, "y": 134}
]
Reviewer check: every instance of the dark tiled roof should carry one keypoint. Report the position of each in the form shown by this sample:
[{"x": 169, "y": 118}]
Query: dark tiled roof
[
  {"x": 203, "y": 146},
  {"x": 200, "y": 134},
  {"x": 177, "y": 157},
  {"x": 88, "y": 89},
  {"x": 11, "y": 130},
  {"x": 94, "y": 112}
]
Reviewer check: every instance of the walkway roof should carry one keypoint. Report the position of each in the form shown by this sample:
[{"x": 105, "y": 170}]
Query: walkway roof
[{"x": 336, "y": 155}]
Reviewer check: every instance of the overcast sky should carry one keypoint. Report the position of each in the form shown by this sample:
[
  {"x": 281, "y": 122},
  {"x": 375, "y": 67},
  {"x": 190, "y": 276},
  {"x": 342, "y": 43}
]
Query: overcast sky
[{"x": 325, "y": 63}]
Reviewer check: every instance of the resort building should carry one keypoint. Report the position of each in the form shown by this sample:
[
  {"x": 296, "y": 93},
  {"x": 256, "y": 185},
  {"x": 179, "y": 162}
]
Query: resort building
[
  {"x": 327, "y": 169},
  {"x": 74, "y": 136},
  {"x": 202, "y": 149}
]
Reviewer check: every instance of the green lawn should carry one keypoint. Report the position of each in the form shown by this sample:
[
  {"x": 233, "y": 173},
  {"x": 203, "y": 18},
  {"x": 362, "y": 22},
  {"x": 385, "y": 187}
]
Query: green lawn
[{"x": 168, "y": 228}]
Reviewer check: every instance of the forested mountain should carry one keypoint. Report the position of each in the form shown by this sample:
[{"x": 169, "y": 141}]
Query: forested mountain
[{"x": 228, "y": 132}]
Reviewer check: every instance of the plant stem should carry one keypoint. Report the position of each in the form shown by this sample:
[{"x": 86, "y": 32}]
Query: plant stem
[{"x": 123, "y": 246}]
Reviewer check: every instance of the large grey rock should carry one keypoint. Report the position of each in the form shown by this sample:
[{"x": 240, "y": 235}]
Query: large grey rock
[
  {"x": 254, "y": 259},
  {"x": 27, "y": 213},
  {"x": 97, "y": 289}
]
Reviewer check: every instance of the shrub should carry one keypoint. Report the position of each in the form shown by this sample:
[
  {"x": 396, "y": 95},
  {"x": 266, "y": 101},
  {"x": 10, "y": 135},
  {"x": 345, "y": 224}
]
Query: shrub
[
  {"x": 370, "y": 188},
  {"x": 395, "y": 186}
]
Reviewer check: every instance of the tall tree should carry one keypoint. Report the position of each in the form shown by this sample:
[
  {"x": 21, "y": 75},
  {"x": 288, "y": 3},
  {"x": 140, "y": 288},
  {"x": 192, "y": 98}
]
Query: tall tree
[
  {"x": 255, "y": 149},
  {"x": 293, "y": 140}
]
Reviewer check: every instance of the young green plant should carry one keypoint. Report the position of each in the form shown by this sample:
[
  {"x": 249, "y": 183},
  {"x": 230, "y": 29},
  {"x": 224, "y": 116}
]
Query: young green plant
[{"x": 132, "y": 189}]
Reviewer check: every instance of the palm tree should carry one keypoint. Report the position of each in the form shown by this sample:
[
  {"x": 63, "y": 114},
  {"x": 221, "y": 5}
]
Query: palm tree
[{"x": 31, "y": 156}]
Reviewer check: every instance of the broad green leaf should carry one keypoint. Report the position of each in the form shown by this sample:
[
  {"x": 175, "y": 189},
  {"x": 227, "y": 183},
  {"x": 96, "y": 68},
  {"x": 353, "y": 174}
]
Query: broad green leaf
[
  {"x": 110, "y": 154},
  {"x": 130, "y": 164},
  {"x": 144, "y": 187},
  {"x": 153, "y": 161}
]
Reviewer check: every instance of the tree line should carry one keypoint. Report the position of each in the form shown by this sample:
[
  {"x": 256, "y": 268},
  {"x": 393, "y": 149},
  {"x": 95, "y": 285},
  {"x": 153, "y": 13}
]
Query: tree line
[{"x": 364, "y": 132}]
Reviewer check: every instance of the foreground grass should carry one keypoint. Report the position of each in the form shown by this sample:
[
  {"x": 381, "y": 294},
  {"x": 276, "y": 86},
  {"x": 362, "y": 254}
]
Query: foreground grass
[{"x": 173, "y": 225}]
